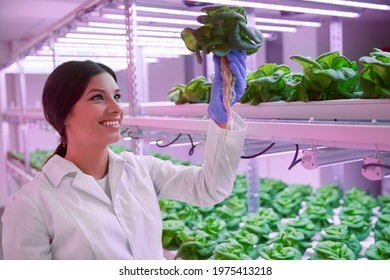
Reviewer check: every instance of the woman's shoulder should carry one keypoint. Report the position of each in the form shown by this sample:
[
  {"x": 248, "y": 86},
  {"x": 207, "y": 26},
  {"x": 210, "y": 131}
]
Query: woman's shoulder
[
  {"x": 33, "y": 189},
  {"x": 136, "y": 161},
  {"x": 129, "y": 157}
]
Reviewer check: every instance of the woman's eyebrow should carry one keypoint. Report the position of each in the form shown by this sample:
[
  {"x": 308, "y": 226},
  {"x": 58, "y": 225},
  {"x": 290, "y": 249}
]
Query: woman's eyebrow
[
  {"x": 96, "y": 90},
  {"x": 100, "y": 90}
]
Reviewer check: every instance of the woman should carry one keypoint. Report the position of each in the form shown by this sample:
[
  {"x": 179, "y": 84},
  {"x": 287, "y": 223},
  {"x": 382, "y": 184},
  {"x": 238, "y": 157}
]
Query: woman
[{"x": 89, "y": 203}]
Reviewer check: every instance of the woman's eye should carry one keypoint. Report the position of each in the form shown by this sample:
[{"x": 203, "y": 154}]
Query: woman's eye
[
  {"x": 118, "y": 97},
  {"x": 97, "y": 97}
]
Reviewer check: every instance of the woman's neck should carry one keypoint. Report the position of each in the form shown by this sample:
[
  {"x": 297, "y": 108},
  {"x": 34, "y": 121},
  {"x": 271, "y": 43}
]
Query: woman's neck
[{"x": 91, "y": 161}]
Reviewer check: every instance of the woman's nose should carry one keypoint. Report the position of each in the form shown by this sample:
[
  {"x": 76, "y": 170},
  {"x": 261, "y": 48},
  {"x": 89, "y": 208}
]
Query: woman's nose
[{"x": 115, "y": 106}]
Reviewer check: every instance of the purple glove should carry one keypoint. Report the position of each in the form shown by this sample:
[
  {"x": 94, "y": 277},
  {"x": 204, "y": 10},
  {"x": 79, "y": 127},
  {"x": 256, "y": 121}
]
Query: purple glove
[{"x": 237, "y": 64}]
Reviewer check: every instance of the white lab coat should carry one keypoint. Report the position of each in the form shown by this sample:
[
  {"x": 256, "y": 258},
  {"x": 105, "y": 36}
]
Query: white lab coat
[{"x": 64, "y": 214}]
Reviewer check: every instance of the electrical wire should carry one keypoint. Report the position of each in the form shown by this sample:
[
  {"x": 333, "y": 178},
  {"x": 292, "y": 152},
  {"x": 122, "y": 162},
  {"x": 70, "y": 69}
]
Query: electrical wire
[
  {"x": 258, "y": 154},
  {"x": 190, "y": 152},
  {"x": 170, "y": 143},
  {"x": 295, "y": 161},
  {"x": 375, "y": 165},
  {"x": 128, "y": 133}
]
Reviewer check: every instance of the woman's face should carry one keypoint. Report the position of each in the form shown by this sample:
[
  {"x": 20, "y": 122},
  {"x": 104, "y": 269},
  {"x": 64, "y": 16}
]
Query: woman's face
[{"x": 96, "y": 118}]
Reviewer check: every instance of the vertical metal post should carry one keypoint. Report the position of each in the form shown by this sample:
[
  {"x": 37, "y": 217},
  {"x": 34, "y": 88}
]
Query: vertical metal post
[
  {"x": 336, "y": 35},
  {"x": 253, "y": 186},
  {"x": 131, "y": 38},
  {"x": 4, "y": 135},
  {"x": 54, "y": 47},
  {"x": 23, "y": 126}
]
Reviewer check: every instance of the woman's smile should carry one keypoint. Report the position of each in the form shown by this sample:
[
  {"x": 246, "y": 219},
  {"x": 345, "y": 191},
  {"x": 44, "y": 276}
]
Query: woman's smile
[{"x": 111, "y": 123}]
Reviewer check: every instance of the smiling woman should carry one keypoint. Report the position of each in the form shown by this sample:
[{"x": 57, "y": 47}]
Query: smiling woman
[{"x": 90, "y": 203}]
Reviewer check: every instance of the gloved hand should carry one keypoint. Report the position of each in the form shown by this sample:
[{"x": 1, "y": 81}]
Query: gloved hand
[{"x": 237, "y": 64}]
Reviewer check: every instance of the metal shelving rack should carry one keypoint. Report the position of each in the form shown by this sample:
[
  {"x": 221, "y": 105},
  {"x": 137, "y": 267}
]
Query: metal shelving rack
[{"x": 356, "y": 124}]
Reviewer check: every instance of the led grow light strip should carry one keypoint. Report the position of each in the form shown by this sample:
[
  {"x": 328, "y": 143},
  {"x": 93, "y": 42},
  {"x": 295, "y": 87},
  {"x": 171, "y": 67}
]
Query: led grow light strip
[
  {"x": 120, "y": 38},
  {"x": 276, "y": 28},
  {"x": 109, "y": 31},
  {"x": 141, "y": 42},
  {"x": 165, "y": 11},
  {"x": 39, "y": 64},
  {"x": 154, "y": 19},
  {"x": 95, "y": 36},
  {"x": 354, "y": 4},
  {"x": 282, "y": 8},
  {"x": 84, "y": 29},
  {"x": 139, "y": 27},
  {"x": 92, "y": 41},
  {"x": 289, "y": 22}
]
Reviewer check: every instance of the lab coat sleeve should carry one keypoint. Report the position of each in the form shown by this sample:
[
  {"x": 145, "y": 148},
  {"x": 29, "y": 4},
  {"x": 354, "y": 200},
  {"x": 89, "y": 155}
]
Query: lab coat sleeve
[
  {"x": 211, "y": 183},
  {"x": 24, "y": 232}
]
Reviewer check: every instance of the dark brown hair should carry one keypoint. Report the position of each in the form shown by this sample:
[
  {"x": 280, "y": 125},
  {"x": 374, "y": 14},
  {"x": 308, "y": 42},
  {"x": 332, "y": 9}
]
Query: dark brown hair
[{"x": 63, "y": 88}]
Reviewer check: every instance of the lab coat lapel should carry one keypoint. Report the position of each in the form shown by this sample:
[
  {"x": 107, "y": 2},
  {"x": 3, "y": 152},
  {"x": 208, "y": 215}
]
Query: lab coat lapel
[
  {"x": 115, "y": 170},
  {"x": 89, "y": 185}
]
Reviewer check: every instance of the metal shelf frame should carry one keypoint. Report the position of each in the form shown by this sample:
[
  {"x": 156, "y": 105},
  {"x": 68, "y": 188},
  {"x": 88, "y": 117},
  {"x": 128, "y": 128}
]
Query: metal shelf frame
[
  {"x": 356, "y": 130},
  {"x": 342, "y": 109},
  {"x": 352, "y": 124}
]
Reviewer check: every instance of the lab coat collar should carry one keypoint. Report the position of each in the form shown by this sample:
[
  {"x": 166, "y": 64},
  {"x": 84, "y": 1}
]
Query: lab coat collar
[{"x": 57, "y": 168}]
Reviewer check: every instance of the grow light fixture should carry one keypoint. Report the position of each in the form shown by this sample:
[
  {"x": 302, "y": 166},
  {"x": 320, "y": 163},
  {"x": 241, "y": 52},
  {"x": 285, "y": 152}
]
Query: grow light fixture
[
  {"x": 122, "y": 39},
  {"x": 94, "y": 36},
  {"x": 168, "y": 20},
  {"x": 142, "y": 41},
  {"x": 289, "y": 22},
  {"x": 45, "y": 64},
  {"x": 314, "y": 158},
  {"x": 356, "y": 4},
  {"x": 139, "y": 27},
  {"x": 107, "y": 25},
  {"x": 276, "y": 28},
  {"x": 83, "y": 41},
  {"x": 165, "y": 11},
  {"x": 154, "y": 19},
  {"x": 278, "y": 7},
  {"x": 83, "y": 29}
]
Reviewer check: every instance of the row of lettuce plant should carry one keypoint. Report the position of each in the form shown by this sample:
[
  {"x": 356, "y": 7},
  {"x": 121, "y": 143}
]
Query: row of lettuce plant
[
  {"x": 287, "y": 223},
  {"x": 285, "y": 226},
  {"x": 327, "y": 77}
]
